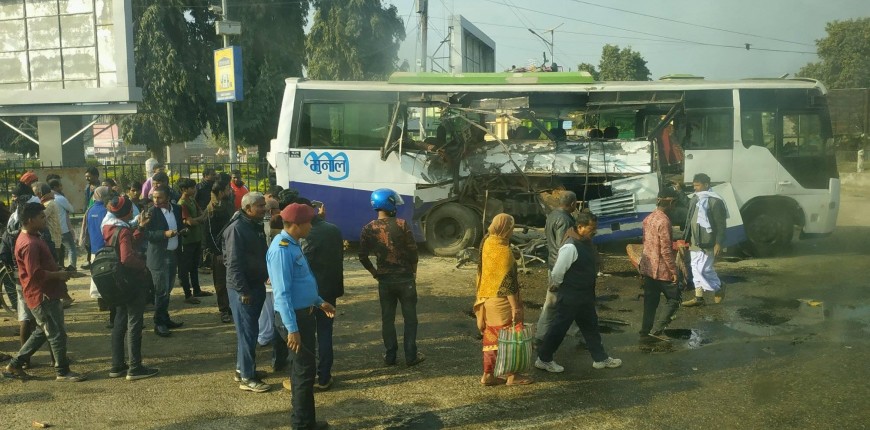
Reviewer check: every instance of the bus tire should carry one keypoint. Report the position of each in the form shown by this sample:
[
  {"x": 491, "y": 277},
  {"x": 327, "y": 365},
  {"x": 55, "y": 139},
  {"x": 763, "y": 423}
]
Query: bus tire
[
  {"x": 450, "y": 228},
  {"x": 768, "y": 231}
]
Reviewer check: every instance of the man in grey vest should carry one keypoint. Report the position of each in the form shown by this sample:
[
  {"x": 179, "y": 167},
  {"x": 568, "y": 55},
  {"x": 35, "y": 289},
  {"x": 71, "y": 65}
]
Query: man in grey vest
[{"x": 705, "y": 233}]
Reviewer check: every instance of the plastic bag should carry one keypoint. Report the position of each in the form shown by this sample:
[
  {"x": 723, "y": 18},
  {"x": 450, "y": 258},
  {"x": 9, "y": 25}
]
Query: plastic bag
[{"x": 514, "y": 350}]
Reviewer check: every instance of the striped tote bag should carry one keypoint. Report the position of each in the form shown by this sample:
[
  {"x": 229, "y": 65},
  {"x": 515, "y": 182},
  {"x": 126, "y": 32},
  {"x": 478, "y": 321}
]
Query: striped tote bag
[{"x": 514, "y": 350}]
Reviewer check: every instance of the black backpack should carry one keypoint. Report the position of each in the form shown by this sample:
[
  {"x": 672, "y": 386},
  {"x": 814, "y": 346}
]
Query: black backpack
[{"x": 108, "y": 273}]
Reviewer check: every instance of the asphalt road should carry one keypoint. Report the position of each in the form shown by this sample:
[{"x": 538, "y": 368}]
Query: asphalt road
[{"x": 788, "y": 348}]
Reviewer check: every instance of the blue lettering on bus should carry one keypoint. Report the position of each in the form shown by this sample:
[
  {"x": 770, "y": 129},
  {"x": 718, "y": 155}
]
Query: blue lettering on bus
[{"x": 337, "y": 164}]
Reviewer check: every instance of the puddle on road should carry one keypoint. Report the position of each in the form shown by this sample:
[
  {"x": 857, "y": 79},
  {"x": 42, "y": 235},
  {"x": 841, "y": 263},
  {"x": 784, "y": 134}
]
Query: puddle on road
[
  {"x": 680, "y": 338},
  {"x": 775, "y": 316}
]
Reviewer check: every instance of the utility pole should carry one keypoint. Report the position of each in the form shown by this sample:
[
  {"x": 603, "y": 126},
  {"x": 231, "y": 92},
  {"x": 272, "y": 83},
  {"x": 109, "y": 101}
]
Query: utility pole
[
  {"x": 423, "y": 10},
  {"x": 231, "y": 134},
  {"x": 550, "y": 43}
]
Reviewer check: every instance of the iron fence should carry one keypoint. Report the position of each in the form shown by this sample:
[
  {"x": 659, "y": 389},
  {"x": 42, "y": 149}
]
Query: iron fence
[{"x": 257, "y": 176}]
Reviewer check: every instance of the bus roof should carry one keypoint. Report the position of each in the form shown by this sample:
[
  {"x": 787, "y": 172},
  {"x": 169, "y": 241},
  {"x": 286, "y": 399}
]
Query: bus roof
[
  {"x": 533, "y": 78},
  {"x": 602, "y": 86}
]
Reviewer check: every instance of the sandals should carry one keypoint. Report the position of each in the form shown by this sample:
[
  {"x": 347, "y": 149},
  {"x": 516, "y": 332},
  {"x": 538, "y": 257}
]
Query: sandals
[
  {"x": 491, "y": 381},
  {"x": 518, "y": 380}
]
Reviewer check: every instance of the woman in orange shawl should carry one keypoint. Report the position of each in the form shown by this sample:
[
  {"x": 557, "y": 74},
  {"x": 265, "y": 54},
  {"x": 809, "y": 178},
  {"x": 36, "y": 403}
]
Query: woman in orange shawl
[{"x": 498, "y": 303}]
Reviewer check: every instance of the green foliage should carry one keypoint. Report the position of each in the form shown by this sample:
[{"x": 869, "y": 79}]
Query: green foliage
[
  {"x": 353, "y": 40},
  {"x": 586, "y": 67},
  {"x": 273, "y": 49},
  {"x": 622, "y": 65},
  {"x": 173, "y": 44},
  {"x": 845, "y": 54},
  {"x": 11, "y": 141}
]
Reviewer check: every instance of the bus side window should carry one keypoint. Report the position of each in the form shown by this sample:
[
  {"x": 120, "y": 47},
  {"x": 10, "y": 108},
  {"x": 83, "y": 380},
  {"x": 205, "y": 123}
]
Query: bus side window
[
  {"x": 758, "y": 129},
  {"x": 708, "y": 130},
  {"x": 801, "y": 135},
  {"x": 344, "y": 125}
]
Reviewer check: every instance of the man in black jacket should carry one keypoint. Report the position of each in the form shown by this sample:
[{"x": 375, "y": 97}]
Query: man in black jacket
[
  {"x": 162, "y": 234},
  {"x": 245, "y": 259},
  {"x": 324, "y": 250},
  {"x": 705, "y": 233}
]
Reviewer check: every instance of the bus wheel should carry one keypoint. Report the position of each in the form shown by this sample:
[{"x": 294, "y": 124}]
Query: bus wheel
[
  {"x": 450, "y": 228},
  {"x": 768, "y": 232}
]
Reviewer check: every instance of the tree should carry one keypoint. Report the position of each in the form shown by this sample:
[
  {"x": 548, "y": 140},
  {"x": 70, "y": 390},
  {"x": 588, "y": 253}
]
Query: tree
[
  {"x": 845, "y": 55},
  {"x": 173, "y": 44},
  {"x": 273, "y": 49},
  {"x": 353, "y": 40},
  {"x": 586, "y": 67},
  {"x": 622, "y": 65}
]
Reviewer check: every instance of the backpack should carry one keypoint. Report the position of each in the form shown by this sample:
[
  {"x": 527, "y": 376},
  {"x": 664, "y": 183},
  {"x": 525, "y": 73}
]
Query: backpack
[{"x": 108, "y": 273}]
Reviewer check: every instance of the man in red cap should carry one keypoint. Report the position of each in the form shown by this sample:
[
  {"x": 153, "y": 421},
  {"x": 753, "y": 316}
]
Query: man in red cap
[
  {"x": 296, "y": 300},
  {"x": 128, "y": 323}
]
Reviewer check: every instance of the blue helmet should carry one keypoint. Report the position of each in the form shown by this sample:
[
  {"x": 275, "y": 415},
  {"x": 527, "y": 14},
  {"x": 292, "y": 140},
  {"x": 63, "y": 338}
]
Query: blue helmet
[{"x": 385, "y": 199}]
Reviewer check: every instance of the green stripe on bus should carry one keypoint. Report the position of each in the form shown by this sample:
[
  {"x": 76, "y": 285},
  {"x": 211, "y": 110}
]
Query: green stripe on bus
[{"x": 538, "y": 78}]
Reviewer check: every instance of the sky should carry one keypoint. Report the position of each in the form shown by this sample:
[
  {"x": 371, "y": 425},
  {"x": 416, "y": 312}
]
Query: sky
[{"x": 685, "y": 44}]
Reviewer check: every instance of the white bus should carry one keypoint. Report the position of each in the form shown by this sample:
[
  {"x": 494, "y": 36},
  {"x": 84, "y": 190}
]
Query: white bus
[{"x": 462, "y": 148}]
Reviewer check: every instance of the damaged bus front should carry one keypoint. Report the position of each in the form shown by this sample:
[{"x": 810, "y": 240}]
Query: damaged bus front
[{"x": 463, "y": 148}]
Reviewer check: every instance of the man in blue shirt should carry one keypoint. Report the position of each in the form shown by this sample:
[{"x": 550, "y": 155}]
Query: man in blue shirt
[{"x": 296, "y": 299}]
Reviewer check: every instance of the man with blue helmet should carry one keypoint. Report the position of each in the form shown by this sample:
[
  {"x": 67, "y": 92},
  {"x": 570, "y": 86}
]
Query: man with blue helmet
[{"x": 391, "y": 241}]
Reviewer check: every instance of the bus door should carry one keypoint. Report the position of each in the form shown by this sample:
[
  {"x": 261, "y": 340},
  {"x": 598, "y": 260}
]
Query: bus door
[{"x": 707, "y": 138}]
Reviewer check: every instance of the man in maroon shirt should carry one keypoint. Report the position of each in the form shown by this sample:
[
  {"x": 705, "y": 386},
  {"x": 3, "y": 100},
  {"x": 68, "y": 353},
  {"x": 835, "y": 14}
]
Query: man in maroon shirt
[
  {"x": 43, "y": 285},
  {"x": 128, "y": 323},
  {"x": 658, "y": 267}
]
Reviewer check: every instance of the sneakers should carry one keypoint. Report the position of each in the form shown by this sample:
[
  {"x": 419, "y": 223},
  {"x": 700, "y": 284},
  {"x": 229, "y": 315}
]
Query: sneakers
[
  {"x": 70, "y": 377},
  {"x": 549, "y": 366},
  {"x": 254, "y": 385},
  {"x": 191, "y": 300},
  {"x": 389, "y": 361},
  {"x": 16, "y": 371},
  {"x": 417, "y": 360},
  {"x": 324, "y": 387},
  {"x": 202, "y": 294},
  {"x": 118, "y": 372},
  {"x": 610, "y": 363},
  {"x": 258, "y": 374},
  {"x": 696, "y": 301},
  {"x": 141, "y": 373},
  {"x": 226, "y": 317}
]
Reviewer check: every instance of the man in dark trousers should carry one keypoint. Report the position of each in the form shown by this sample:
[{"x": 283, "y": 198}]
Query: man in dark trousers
[
  {"x": 658, "y": 266},
  {"x": 705, "y": 233},
  {"x": 43, "y": 285},
  {"x": 324, "y": 250},
  {"x": 245, "y": 259},
  {"x": 164, "y": 225},
  {"x": 573, "y": 279},
  {"x": 393, "y": 244},
  {"x": 296, "y": 304},
  {"x": 127, "y": 330},
  {"x": 559, "y": 222}
]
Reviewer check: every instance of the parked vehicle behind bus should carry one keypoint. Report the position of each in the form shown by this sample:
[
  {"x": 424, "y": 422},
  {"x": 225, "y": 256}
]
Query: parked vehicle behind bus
[{"x": 460, "y": 149}]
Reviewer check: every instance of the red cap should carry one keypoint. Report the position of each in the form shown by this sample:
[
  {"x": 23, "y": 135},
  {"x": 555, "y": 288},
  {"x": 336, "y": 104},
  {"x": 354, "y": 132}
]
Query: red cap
[
  {"x": 296, "y": 213},
  {"x": 29, "y": 178}
]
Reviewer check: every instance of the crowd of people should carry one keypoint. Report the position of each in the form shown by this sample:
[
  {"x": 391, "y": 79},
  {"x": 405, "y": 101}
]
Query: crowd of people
[{"x": 277, "y": 266}]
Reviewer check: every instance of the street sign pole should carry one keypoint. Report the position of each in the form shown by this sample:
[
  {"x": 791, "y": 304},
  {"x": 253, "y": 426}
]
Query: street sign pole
[{"x": 231, "y": 135}]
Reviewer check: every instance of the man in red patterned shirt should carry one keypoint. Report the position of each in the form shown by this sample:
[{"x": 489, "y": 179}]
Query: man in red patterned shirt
[{"x": 658, "y": 266}]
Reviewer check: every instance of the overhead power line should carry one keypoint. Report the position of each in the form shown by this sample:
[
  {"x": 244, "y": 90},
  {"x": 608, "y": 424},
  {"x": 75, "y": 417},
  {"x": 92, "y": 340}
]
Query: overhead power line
[
  {"x": 653, "y": 34},
  {"x": 691, "y": 23}
]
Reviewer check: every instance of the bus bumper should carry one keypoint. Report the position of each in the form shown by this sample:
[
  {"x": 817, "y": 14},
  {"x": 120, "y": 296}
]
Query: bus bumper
[{"x": 821, "y": 217}]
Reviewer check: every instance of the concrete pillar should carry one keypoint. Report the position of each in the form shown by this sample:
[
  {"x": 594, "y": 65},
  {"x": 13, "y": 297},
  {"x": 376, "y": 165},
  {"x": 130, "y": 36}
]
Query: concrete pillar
[{"x": 53, "y": 130}]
